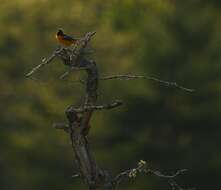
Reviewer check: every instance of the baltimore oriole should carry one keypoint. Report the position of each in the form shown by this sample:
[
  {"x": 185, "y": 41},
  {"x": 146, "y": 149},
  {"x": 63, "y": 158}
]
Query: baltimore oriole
[{"x": 64, "y": 39}]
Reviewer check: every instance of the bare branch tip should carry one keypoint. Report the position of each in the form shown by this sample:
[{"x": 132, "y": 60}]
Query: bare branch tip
[
  {"x": 27, "y": 76},
  {"x": 76, "y": 175}
]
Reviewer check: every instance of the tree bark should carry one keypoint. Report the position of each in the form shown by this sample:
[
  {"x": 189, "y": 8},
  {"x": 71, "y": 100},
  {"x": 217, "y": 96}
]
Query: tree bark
[
  {"x": 79, "y": 123},
  {"x": 94, "y": 177}
]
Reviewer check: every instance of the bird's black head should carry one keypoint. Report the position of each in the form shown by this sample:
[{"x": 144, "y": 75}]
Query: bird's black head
[{"x": 60, "y": 32}]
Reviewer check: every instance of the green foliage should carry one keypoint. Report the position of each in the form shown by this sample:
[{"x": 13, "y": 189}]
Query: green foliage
[{"x": 172, "y": 40}]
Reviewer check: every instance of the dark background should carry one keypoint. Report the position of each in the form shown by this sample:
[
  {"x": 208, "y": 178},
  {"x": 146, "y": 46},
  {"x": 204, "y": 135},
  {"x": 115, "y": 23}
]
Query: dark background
[{"x": 169, "y": 128}]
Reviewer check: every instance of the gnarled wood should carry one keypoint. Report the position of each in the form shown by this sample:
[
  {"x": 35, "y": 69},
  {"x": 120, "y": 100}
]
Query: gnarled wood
[{"x": 79, "y": 124}]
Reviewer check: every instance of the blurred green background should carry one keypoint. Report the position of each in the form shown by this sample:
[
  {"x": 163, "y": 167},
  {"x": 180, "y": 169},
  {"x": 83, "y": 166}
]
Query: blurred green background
[{"x": 169, "y": 128}]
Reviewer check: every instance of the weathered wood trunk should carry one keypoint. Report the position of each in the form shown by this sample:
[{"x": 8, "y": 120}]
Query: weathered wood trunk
[
  {"x": 94, "y": 177},
  {"x": 79, "y": 123}
]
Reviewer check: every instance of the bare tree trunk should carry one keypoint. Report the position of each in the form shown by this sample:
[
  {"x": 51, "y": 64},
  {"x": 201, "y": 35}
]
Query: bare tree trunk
[{"x": 94, "y": 177}]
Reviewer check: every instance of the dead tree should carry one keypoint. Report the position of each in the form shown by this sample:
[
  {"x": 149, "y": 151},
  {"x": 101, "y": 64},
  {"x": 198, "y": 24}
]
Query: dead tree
[{"x": 78, "y": 118}]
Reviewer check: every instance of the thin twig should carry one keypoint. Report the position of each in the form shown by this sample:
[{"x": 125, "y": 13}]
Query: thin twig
[
  {"x": 131, "y": 77},
  {"x": 44, "y": 62},
  {"x": 86, "y": 39}
]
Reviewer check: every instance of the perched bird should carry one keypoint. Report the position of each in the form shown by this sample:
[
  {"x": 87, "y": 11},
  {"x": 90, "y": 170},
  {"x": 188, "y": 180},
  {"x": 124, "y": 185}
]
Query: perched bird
[{"x": 64, "y": 39}]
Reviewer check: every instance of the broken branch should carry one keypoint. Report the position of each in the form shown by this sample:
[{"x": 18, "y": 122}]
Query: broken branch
[{"x": 98, "y": 107}]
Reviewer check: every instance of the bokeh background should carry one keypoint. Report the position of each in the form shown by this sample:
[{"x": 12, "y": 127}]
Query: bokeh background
[{"x": 169, "y": 128}]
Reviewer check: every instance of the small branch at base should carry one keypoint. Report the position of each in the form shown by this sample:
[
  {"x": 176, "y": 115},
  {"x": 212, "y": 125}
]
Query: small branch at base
[
  {"x": 175, "y": 186},
  {"x": 142, "y": 168},
  {"x": 131, "y": 77}
]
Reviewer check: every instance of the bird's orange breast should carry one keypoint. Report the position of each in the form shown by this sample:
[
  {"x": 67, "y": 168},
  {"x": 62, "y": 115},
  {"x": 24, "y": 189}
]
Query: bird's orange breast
[{"x": 63, "y": 41}]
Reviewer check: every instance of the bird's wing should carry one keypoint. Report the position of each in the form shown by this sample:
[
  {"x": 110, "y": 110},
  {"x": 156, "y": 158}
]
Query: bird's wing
[{"x": 69, "y": 38}]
